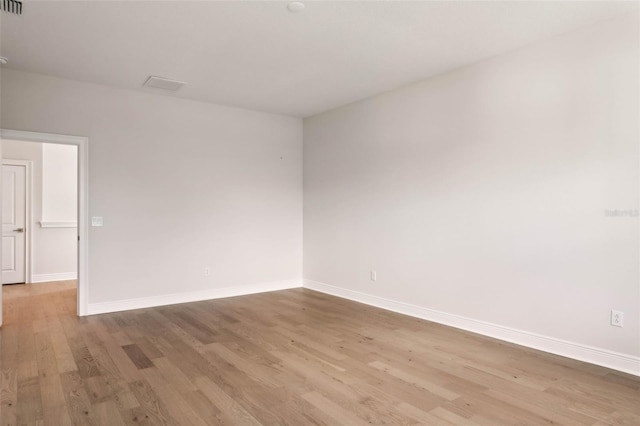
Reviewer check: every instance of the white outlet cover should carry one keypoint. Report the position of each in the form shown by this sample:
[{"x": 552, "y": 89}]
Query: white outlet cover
[
  {"x": 96, "y": 221},
  {"x": 617, "y": 318}
]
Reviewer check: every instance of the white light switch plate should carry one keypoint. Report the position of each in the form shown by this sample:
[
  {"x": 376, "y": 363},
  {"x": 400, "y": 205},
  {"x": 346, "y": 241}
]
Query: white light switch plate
[{"x": 96, "y": 221}]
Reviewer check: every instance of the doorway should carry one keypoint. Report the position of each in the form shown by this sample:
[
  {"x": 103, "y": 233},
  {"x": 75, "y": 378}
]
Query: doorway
[
  {"x": 39, "y": 197},
  {"x": 82, "y": 204}
]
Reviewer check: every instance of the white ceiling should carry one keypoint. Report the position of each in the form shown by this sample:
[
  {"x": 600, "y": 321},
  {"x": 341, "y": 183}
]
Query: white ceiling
[{"x": 258, "y": 55}]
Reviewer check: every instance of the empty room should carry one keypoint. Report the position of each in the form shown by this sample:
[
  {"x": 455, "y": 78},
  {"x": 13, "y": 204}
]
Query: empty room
[{"x": 320, "y": 212}]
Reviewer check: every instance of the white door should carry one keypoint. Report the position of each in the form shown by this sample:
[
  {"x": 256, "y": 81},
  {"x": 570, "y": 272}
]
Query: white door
[{"x": 14, "y": 180}]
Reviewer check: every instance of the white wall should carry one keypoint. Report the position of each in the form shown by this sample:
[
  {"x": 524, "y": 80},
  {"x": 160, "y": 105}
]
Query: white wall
[
  {"x": 59, "y": 182},
  {"x": 1, "y": 153},
  {"x": 54, "y": 250},
  {"x": 181, "y": 185},
  {"x": 481, "y": 193}
]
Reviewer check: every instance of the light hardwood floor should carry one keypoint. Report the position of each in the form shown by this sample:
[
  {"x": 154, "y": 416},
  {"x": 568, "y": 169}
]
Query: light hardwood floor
[{"x": 291, "y": 357}]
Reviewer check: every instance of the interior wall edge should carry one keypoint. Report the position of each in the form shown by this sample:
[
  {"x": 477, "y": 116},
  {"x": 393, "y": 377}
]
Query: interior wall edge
[{"x": 605, "y": 358}]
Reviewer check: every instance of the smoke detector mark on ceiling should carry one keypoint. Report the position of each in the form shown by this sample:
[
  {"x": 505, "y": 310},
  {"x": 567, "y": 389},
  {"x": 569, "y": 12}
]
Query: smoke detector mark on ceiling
[
  {"x": 296, "y": 6},
  {"x": 163, "y": 83}
]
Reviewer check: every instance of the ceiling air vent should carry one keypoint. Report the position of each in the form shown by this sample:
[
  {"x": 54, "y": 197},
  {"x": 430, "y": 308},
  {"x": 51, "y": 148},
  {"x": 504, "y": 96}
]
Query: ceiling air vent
[
  {"x": 163, "y": 83},
  {"x": 11, "y": 6}
]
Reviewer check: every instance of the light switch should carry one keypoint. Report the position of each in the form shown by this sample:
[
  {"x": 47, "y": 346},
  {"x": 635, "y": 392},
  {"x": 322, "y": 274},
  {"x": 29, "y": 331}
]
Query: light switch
[{"x": 96, "y": 221}]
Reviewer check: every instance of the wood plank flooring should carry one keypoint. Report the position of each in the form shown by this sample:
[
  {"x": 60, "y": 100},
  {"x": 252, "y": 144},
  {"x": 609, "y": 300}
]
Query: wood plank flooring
[{"x": 291, "y": 357}]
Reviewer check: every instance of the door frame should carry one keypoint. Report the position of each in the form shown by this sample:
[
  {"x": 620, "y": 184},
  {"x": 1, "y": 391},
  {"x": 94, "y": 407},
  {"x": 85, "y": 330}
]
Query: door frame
[
  {"x": 83, "y": 202},
  {"x": 28, "y": 189}
]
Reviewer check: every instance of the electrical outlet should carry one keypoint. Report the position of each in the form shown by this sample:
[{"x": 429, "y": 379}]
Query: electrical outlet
[
  {"x": 207, "y": 271},
  {"x": 617, "y": 318},
  {"x": 374, "y": 276}
]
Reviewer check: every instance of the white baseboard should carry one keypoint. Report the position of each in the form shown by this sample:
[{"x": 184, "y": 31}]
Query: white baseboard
[
  {"x": 614, "y": 360},
  {"x": 61, "y": 276},
  {"x": 193, "y": 296}
]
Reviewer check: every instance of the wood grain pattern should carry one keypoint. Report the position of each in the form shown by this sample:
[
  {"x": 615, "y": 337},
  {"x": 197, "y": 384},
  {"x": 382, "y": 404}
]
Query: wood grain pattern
[
  {"x": 137, "y": 356},
  {"x": 292, "y": 357}
]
